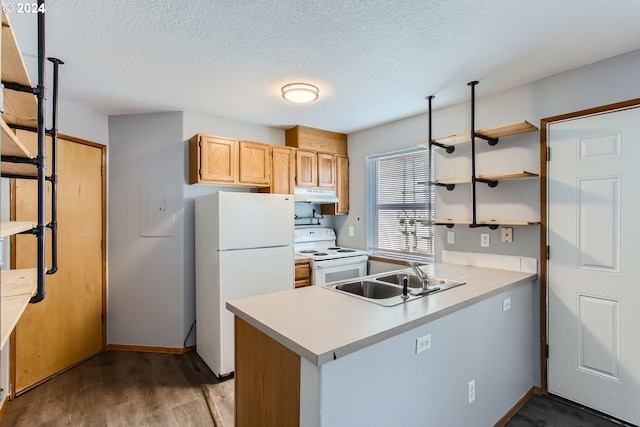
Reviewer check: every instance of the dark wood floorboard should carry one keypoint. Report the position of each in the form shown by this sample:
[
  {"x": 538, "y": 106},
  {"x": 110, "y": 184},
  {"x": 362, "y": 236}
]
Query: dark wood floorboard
[
  {"x": 118, "y": 388},
  {"x": 547, "y": 411}
]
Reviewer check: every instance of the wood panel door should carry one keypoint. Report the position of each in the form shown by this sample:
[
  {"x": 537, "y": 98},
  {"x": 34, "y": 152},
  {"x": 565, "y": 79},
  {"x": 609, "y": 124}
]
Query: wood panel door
[
  {"x": 594, "y": 349},
  {"x": 67, "y": 326}
]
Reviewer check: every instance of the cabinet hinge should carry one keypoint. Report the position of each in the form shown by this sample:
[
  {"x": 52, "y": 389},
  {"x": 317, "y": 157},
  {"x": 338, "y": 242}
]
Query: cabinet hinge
[
  {"x": 102, "y": 244},
  {"x": 101, "y": 170},
  {"x": 548, "y": 252},
  {"x": 548, "y": 154},
  {"x": 547, "y": 351}
]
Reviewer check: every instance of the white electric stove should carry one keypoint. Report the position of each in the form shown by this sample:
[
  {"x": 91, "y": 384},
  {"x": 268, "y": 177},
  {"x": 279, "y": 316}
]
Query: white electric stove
[{"x": 329, "y": 262}]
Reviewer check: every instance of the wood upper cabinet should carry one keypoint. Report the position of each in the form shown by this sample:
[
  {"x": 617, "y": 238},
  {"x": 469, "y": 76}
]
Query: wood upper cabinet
[
  {"x": 306, "y": 168},
  {"x": 326, "y": 170},
  {"x": 220, "y": 160},
  {"x": 254, "y": 163},
  {"x": 283, "y": 170},
  {"x": 342, "y": 189},
  {"x": 213, "y": 159}
]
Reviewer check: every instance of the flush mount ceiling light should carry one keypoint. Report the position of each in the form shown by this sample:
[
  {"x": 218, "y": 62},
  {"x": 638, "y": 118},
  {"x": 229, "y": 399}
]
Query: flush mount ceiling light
[{"x": 300, "y": 92}]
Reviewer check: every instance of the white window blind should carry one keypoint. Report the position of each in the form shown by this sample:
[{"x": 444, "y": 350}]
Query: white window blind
[{"x": 402, "y": 205}]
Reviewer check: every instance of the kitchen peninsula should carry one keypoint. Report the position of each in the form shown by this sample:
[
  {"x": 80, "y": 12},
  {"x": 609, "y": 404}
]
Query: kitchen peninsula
[{"x": 317, "y": 357}]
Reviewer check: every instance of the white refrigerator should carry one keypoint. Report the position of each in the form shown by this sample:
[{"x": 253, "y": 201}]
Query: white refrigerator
[{"x": 244, "y": 247}]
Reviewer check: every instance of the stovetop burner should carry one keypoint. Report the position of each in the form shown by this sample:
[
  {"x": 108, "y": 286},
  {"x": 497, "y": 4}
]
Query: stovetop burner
[
  {"x": 320, "y": 254},
  {"x": 346, "y": 250},
  {"x": 333, "y": 249},
  {"x": 308, "y": 251}
]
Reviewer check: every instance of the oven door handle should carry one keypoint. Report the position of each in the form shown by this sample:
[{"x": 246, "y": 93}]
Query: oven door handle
[{"x": 328, "y": 263}]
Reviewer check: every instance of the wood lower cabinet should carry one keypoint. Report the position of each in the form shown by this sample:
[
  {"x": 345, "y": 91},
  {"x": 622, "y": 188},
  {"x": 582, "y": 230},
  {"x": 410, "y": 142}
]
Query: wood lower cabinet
[
  {"x": 303, "y": 273},
  {"x": 267, "y": 380},
  {"x": 254, "y": 163},
  {"x": 342, "y": 189}
]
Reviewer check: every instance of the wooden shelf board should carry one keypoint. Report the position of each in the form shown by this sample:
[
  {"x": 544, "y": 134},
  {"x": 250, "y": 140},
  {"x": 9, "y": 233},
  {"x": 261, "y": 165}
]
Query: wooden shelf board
[
  {"x": 454, "y": 180},
  {"x": 11, "y": 146},
  {"x": 13, "y": 66},
  {"x": 20, "y": 108},
  {"x": 509, "y": 175},
  {"x": 495, "y": 222},
  {"x": 493, "y": 176},
  {"x": 12, "y": 308},
  {"x": 509, "y": 129},
  {"x": 18, "y": 282},
  {"x": 8, "y": 228}
]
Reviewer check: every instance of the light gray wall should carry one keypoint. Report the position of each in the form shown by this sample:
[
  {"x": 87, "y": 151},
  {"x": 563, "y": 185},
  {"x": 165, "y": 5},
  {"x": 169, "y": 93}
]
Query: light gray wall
[
  {"x": 605, "y": 82},
  {"x": 152, "y": 279},
  {"x": 145, "y": 273},
  {"x": 388, "y": 384}
]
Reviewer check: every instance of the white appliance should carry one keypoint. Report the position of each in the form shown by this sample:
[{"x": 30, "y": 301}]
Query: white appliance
[
  {"x": 329, "y": 263},
  {"x": 244, "y": 247}
]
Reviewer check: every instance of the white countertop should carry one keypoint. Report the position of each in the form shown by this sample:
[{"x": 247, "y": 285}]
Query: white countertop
[{"x": 321, "y": 325}]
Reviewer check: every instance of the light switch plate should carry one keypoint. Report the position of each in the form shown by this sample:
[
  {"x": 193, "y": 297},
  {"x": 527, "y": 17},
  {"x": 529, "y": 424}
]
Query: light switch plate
[
  {"x": 484, "y": 240},
  {"x": 451, "y": 237}
]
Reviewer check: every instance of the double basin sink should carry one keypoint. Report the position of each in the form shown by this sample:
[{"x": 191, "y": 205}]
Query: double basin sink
[{"x": 386, "y": 289}]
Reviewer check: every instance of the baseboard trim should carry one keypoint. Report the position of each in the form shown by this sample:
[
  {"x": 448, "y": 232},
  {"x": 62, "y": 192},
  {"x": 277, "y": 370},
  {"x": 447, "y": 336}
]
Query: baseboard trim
[
  {"x": 519, "y": 404},
  {"x": 150, "y": 349}
]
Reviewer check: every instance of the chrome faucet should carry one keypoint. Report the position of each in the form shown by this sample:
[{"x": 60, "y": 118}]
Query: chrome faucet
[{"x": 424, "y": 279}]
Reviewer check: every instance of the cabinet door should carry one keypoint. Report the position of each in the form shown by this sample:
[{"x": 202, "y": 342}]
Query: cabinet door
[
  {"x": 342, "y": 185},
  {"x": 326, "y": 170},
  {"x": 303, "y": 274},
  {"x": 218, "y": 159},
  {"x": 255, "y": 163},
  {"x": 283, "y": 170},
  {"x": 342, "y": 189},
  {"x": 306, "y": 169}
]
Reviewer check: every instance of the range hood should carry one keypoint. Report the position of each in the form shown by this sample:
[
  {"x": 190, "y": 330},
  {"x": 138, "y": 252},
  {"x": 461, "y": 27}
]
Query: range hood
[{"x": 315, "y": 195}]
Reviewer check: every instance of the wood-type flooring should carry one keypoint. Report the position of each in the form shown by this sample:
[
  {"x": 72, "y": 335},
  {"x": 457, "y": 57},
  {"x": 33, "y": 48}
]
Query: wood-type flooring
[{"x": 117, "y": 388}]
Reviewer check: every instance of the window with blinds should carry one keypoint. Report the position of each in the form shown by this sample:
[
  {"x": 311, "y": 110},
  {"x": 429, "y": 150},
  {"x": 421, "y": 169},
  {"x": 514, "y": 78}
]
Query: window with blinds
[{"x": 401, "y": 203}]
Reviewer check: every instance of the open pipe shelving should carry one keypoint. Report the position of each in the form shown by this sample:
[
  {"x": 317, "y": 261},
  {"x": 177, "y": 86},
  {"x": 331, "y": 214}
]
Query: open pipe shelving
[
  {"x": 492, "y": 136},
  {"x": 24, "y": 108}
]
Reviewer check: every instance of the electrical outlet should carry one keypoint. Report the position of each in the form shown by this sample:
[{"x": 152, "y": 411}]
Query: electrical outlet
[
  {"x": 423, "y": 343},
  {"x": 506, "y": 304},
  {"x": 507, "y": 234},
  {"x": 451, "y": 237},
  {"x": 351, "y": 231},
  {"x": 472, "y": 390},
  {"x": 484, "y": 240}
]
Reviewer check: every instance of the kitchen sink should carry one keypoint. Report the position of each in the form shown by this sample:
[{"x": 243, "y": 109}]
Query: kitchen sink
[
  {"x": 370, "y": 289},
  {"x": 387, "y": 289},
  {"x": 414, "y": 281}
]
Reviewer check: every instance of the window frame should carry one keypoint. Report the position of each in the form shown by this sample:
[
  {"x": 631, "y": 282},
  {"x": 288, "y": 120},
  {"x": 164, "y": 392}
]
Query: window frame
[{"x": 373, "y": 211}]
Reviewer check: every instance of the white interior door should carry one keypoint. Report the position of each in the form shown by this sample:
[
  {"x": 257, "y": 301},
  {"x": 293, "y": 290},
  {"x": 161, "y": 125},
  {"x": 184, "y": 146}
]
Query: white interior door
[{"x": 594, "y": 265}]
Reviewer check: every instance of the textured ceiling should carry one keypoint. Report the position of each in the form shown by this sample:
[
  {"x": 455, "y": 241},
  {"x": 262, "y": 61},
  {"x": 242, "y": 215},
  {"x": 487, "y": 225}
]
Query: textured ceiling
[{"x": 374, "y": 61}]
